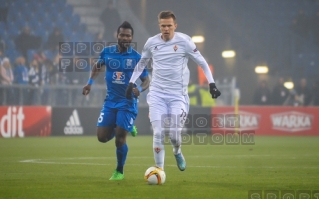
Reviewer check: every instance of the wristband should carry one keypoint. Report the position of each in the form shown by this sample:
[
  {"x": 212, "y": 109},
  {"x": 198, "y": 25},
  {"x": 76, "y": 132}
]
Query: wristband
[
  {"x": 139, "y": 88},
  {"x": 91, "y": 81}
]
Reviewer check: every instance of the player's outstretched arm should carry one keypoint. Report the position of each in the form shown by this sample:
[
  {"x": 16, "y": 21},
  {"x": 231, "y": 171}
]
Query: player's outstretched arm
[
  {"x": 94, "y": 73},
  {"x": 200, "y": 60}
]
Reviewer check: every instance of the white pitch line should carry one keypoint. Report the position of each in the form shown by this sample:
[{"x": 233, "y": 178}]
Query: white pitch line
[
  {"x": 39, "y": 161},
  {"x": 207, "y": 156}
]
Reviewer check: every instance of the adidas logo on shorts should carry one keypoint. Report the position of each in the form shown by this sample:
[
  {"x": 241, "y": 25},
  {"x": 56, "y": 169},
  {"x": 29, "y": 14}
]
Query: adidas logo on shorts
[{"x": 73, "y": 125}]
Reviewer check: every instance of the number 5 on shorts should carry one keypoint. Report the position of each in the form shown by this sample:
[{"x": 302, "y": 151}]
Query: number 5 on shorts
[{"x": 100, "y": 118}]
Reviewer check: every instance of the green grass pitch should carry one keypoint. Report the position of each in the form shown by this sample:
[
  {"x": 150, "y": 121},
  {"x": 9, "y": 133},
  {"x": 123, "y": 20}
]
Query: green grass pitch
[{"x": 79, "y": 167}]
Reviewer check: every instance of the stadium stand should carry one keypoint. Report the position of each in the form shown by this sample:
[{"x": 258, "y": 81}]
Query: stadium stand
[
  {"x": 259, "y": 31},
  {"x": 41, "y": 17}
]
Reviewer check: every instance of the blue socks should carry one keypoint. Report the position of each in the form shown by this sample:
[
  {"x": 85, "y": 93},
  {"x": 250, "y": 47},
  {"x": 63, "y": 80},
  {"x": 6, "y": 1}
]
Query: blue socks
[{"x": 121, "y": 153}]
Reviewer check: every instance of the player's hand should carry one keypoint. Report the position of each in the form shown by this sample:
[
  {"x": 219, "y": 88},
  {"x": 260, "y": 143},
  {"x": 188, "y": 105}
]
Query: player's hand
[
  {"x": 129, "y": 90},
  {"x": 214, "y": 91},
  {"x": 86, "y": 89},
  {"x": 136, "y": 92}
]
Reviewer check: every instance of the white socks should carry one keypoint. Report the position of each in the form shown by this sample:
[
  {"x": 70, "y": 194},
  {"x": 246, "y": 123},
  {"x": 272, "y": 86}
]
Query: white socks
[
  {"x": 177, "y": 150},
  {"x": 158, "y": 143}
]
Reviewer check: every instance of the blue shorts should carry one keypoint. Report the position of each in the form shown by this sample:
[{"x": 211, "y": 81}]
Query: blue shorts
[{"x": 112, "y": 117}]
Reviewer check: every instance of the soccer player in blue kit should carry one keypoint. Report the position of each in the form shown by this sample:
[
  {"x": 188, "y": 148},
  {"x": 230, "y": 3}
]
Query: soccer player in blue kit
[{"x": 118, "y": 113}]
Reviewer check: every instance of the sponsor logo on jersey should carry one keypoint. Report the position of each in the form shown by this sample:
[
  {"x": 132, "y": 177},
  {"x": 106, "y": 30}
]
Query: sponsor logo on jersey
[
  {"x": 155, "y": 48},
  {"x": 118, "y": 78},
  {"x": 195, "y": 50},
  {"x": 175, "y": 48},
  {"x": 292, "y": 121},
  {"x": 73, "y": 125}
]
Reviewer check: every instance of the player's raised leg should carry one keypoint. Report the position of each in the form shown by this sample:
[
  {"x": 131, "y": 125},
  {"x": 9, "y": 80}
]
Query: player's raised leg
[
  {"x": 106, "y": 125},
  {"x": 105, "y": 134}
]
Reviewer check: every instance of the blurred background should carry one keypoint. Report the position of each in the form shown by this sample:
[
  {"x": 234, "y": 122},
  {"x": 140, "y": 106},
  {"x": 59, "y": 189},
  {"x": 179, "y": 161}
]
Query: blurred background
[{"x": 262, "y": 52}]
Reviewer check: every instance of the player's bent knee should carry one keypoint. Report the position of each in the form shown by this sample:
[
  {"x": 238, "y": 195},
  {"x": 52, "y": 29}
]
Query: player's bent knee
[
  {"x": 104, "y": 134},
  {"x": 102, "y": 139}
]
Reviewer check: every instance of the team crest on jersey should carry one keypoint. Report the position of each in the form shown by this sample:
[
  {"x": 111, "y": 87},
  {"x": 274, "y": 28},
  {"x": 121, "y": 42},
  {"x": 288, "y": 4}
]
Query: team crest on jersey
[
  {"x": 118, "y": 78},
  {"x": 155, "y": 48},
  {"x": 175, "y": 48},
  {"x": 195, "y": 50}
]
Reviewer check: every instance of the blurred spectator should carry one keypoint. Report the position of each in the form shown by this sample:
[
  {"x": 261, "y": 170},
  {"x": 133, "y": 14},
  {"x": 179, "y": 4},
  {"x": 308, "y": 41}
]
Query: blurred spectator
[
  {"x": 44, "y": 79},
  {"x": 7, "y": 79},
  {"x": 6, "y": 72},
  {"x": 52, "y": 73},
  {"x": 62, "y": 93},
  {"x": 262, "y": 95},
  {"x": 111, "y": 20},
  {"x": 26, "y": 41},
  {"x": 293, "y": 99},
  {"x": 21, "y": 72},
  {"x": 280, "y": 93},
  {"x": 303, "y": 92},
  {"x": 315, "y": 93},
  {"x": 1, "y": 53},
  {"x": 314, "y": 27},
  {"x": 34, "y": 77},
  {"x": 48, "y": 77},
  {"x": 56, "y": 61},
  {"x": 54, "y": 38},
  {"x": 21, "y": 77},
  {"x": 41, "y": 58},
  {"x": 2, "y": 48}
]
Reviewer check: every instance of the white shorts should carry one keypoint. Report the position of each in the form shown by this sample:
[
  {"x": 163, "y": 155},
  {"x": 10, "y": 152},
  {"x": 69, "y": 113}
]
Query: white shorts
[{"x": 162, "y": 105}]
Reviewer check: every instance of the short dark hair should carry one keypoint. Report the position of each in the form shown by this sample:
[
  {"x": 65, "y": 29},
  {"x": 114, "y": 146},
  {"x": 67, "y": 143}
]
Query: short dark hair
[
  {"x": 166, "y": 15},
  {"x": 125, "y": 25}
]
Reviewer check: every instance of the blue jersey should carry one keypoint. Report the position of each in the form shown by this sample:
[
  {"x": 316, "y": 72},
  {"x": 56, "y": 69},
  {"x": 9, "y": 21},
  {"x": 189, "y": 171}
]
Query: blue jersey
[
  {"x": 119, "y": 69},
  {"x": 21, "y": 74}
]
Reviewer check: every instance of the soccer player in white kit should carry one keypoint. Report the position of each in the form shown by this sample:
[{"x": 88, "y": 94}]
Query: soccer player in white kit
[{"x": 168, "y": 96}]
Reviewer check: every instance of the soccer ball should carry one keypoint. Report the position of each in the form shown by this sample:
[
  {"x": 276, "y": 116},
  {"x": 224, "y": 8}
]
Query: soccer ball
[{"x": 155, "y": 175}]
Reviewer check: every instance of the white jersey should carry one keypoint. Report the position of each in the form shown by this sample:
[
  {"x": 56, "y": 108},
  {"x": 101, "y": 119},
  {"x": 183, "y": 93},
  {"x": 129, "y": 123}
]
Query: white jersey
[{"x": 170, "y": 71}]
